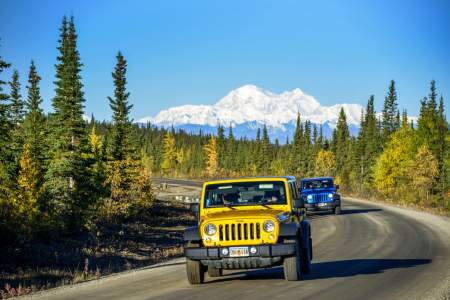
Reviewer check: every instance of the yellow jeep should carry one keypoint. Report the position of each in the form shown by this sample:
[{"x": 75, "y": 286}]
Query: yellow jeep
[{"x": 249, "y": 223}]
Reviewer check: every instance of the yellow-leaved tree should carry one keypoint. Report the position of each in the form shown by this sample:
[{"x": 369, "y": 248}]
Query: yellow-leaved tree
[
  {"x": 169, "y": 155},
  {"x": 392, "y": 166},
  {"x": 325, "y": 164},
  {"x": 212, "y": 164},
  {"x": 423, "y": 172},
  {"x": 27, "y": 201}
]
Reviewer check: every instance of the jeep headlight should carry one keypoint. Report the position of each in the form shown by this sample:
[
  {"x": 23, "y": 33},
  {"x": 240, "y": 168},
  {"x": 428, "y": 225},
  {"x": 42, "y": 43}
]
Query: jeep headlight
[
  {"x": 309, "y": 197},
  {"x": 330, "y": 195},
  {"x": 210, "y": 229},
  {"x": 269, "y": 226}
]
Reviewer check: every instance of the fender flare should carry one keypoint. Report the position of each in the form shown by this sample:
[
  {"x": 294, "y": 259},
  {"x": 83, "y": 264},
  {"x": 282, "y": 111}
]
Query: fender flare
[
  {"x": 191, "y": 234},
  {"x": 288, "y": 229}
]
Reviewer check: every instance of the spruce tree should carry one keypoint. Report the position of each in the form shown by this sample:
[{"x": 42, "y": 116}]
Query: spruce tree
[
  {"x": 5, "y": 126},
  {"x": 389, "y": 114},
  {"x": 67, "y": 180},
  {"x": 17, "y": 104},
  {"x": 121, "y": 144},
  {"x": 342, "y": 148},
  {"x": 265, "y": 158},
  {"x": 34, "y": 134},
  {"x": 17, "y": 116}
]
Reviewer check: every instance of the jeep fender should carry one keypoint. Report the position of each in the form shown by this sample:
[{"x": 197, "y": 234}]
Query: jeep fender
[
  {"x": 288, "y": 229},
  {"x": 191, "y": 234}
]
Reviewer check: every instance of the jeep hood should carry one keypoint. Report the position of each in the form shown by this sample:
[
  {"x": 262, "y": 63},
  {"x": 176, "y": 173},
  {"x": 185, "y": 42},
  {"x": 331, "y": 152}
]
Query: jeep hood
[{"x": 232, "y": 213}]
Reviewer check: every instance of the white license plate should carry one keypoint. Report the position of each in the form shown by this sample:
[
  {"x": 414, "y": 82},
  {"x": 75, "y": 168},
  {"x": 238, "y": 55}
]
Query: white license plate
[
  {"x": 322, "y": 204},
  {"x": 238, "y": 251}
]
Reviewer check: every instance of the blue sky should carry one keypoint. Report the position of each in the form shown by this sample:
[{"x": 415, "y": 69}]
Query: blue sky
[{"x": 194, "y": 52}]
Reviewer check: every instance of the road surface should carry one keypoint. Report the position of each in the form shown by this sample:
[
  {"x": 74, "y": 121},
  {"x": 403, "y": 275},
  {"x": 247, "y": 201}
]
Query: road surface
[{"x": 371, "y": 251}]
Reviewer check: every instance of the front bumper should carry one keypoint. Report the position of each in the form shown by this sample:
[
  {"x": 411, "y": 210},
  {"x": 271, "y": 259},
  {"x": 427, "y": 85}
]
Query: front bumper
[
  {"x": 265, "y": 256},
  {"x": 322, "y": 205}
]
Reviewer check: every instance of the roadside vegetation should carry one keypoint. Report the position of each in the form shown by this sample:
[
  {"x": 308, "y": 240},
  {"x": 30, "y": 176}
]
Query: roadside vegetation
[{"x": 69, "y": 186}]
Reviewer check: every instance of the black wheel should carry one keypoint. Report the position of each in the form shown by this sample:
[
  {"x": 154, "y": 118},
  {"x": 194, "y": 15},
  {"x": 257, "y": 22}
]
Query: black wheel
[
  {"x": 337, "y": 210},
  {"x": 292, "y": 267},
  {"x": 214, "y": 272},
  {"x": 195, "y": 271},
  {"x": 306, "y": 266}
]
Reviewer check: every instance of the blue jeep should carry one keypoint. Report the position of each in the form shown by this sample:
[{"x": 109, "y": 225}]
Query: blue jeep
[{"x": 320, "y": 194}]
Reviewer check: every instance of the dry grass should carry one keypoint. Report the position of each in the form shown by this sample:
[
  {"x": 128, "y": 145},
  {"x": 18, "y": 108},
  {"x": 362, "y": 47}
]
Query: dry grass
[{"x": 152, "y": 237}]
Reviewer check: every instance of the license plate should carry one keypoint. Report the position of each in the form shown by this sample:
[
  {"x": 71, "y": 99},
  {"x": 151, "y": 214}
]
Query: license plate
[
  {"x": 238, "y": 251},
  {"x": 322, "y": 204}
]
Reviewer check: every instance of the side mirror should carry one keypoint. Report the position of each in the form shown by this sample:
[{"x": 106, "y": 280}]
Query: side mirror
[
  {"x": 336, "y": 186},
  {"x": 299, "y": 203},
  {"x": 195, "y": 208}
]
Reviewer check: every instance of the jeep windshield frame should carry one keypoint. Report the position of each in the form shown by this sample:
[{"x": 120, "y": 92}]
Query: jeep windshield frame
[
  {"x": 252, "y": 193},
  {"x": 316, "y": 184}
]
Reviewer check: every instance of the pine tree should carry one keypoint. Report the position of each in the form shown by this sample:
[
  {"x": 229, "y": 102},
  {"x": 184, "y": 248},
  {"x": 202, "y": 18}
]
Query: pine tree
[
  {"x": 121, "y": 143},
  {"x": 67, "y": 180},
  {"x": 296, "y": 153},
  {"x": 265, "y": 158},
  {"x": 221, "y": 146},
  {"x": 442, "y": 150},
  {"x": 5, "y": 129},
  {"x": 342, "y": 149},
  {"x": 17, "y": 104},
  {"x": 17, "y": 116},
  {"x": 369, "y": 142},
  {"x": 230, "y": 162},
  {"x": 34, "y": 134},
  {"x": 389, "y": 114}
]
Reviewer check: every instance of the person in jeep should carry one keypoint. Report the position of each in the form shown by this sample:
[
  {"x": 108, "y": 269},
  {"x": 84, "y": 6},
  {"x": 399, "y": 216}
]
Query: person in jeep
[
  {"x": 249, "y": 223},
  {"x": 320, "y": 194}
]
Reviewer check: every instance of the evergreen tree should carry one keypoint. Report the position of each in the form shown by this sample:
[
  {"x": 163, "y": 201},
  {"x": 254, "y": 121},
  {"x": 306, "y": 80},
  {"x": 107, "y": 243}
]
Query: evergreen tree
[
  {"x": 34, "y": 134},
  {"x": 429, "y": 122},
  {"x": 17, "y": 116},
  {"x": 342, "y": 148},
  {"x": 67, "y": 182},
  {"x": 121, "y": 144},
  {"x": 369, "y": 142},
  {"x": 265, "y": 158},
  {"x": 5, "y": 128},
  {"x": 17, "y": 104},
  {"x": 221, "y": 146},
  {"x": 389, "y": 114},
  {"x": 231, "y": 151}
]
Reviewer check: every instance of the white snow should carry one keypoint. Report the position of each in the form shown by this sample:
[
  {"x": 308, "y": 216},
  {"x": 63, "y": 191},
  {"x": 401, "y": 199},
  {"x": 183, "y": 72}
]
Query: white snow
[{"x": 250, "y": 103}]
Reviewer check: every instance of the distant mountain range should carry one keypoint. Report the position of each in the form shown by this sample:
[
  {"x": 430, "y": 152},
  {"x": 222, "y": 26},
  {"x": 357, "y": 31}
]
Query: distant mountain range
[{"x": 249, "y": 107}]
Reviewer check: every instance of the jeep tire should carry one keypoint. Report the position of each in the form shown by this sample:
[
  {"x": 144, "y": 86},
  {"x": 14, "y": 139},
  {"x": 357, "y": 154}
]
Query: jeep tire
[
  {"x": 195, "y": 271},
  {"x": 337, "y": 210},
  {"x": 214, "y": 272},
  {"x": 306, "y": 256},
  {"x": 292, "y": 266}
]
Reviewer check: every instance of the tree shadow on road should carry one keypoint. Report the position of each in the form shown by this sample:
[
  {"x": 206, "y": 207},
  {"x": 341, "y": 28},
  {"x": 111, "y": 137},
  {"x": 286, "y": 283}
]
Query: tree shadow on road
[
  {"x": 334, "y": 269},
  {"x": 345, "y": 211}
]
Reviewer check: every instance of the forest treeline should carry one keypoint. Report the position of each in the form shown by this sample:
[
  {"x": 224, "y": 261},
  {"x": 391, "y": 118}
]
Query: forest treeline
[{"x": 60, "y": 173}]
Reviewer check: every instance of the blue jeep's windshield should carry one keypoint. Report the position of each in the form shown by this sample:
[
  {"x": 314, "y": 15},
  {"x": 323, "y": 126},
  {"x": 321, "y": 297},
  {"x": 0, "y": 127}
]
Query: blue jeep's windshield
[
  {"x": 317, "y": 184},
  {"x": 245, "y": 193}
]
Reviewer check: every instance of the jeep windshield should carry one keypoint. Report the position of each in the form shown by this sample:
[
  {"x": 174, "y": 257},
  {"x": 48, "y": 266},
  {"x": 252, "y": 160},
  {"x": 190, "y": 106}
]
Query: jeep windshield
[
  {"x": 245, "y": 193},
  {"x": 317, "y": 184}
]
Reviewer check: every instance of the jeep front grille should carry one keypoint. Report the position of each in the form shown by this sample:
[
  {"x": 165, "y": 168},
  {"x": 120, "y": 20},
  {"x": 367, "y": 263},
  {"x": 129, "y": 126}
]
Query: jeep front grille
[
  {"x": 239, "y": 231},
  {"x": 321, "y": 198}
]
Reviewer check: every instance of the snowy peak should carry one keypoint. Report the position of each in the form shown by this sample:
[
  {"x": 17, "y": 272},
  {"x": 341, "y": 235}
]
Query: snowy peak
[{"x": 252, "y": 104}]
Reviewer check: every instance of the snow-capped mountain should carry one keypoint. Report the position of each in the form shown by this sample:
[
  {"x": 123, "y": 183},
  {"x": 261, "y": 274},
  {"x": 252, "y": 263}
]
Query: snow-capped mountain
[{"x": 250, "y": 107}]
